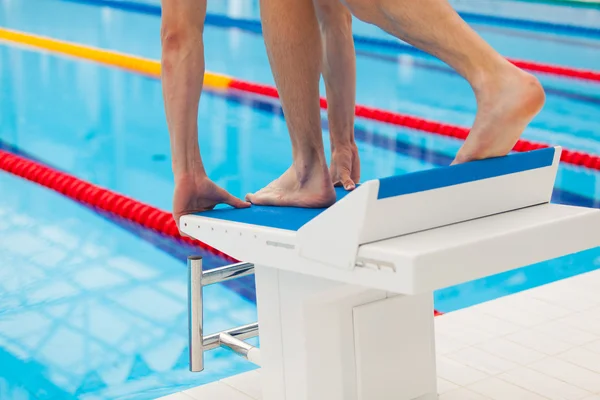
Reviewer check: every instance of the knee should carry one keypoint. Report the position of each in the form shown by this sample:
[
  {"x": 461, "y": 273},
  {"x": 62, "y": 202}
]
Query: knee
[
  {"x": 364, "y": 10},
  {"x": 176, "y": 33}
]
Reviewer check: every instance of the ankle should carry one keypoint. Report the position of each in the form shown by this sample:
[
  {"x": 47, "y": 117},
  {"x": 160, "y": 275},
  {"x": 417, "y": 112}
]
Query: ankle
[
  {"x": 492, "y": 77},
  {"x": 513, "y": 81},
  {"x": 309, "y": 156},
  {"x": 310, "y": 169}
]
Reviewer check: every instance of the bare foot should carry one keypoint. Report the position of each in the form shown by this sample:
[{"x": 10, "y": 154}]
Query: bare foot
[
  {"x": 305, "y": 185},
  {"x": 506, "y": 104},
  {"x": 345, "y": 166}
]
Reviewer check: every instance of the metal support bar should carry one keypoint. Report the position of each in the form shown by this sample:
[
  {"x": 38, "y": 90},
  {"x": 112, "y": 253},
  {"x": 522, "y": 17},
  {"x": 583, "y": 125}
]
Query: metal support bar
[
  {"x": 195, "y": 313},
  {"x": 233, "y": 338},
  {"x": 241, "y": 333},
  {"x": 240, "y": 347},
  {"x": 227, "y": 273}
]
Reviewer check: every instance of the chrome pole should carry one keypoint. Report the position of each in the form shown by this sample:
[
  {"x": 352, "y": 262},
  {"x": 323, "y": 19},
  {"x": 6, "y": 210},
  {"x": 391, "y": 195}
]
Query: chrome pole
[
  {"x": 241, "y": 333},
  {"x": 195, "y": 317},
  {"x": 227, "y": 273}
]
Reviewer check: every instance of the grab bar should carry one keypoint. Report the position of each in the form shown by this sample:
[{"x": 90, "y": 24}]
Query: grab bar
[{"x": 231, "y": 338}]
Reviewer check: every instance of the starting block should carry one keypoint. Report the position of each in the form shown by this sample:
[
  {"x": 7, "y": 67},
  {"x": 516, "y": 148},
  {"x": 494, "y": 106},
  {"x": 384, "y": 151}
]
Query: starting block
[{"x": 345, "y": 294}]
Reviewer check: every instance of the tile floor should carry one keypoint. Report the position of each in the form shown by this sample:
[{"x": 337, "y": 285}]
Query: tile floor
[{"x": 543, "y": 343}]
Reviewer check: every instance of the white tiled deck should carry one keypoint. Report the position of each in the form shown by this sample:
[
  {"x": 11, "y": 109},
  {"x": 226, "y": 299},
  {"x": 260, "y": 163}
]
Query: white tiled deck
[{"x": 543, "y": 343}]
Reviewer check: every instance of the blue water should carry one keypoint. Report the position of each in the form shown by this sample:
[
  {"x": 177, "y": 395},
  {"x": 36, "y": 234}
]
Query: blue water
[{"x": 93, "y": 307}]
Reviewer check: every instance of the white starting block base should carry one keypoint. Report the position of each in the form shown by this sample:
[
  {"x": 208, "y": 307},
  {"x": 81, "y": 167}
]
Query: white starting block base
[
  {"x": 345, "y": 294},
  {"x": 322, "y": 339},
  {"x": 542, "y": 343}
]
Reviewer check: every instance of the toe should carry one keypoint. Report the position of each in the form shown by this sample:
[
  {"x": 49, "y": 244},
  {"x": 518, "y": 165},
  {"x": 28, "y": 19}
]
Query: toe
[
  {"x": 266, "y": 198},
  {"x": 259, "y": 199},
  {"x": 263, "y": 200}
]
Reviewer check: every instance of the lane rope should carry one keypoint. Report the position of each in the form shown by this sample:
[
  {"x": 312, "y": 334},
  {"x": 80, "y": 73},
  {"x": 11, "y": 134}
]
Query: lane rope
[
  {"x": 218, "y": 81},
  {"x": 98, "y": 197},
  {"x": 568, "y": 156},
  {"x": 60, "y": 46}
]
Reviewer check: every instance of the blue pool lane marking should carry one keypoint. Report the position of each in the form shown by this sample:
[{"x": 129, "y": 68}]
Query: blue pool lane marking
[{"x": 255, "y": 26}]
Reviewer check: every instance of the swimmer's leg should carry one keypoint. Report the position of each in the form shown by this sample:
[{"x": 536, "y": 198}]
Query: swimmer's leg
[
  {"x": 182, "y": 75},
  {"x": 293, "y": 42},
  {"x": 507, "y": 97},
  {"x": 339, "y": 74}
]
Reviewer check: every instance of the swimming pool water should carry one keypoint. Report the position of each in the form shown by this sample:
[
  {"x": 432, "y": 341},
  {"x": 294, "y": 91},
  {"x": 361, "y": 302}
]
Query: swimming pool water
[
  {"x": 91, "y": 311},
  {"x": 91, "y": 307}
]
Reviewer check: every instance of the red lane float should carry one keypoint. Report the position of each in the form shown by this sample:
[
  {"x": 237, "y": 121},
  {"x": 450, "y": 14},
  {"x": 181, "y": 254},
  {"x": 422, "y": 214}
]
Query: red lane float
[
  {"x": 98, "y": 197},
  {"x": 459, "y": 132},
  {"x": 557, "y": 70}
]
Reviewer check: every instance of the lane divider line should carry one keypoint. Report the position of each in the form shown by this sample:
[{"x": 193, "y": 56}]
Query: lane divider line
[
  {"x": 222, "y": 82},
  {"x": 503, "y": 21},
  {"x": 141, "y": 65},
  {"x": 112, "y": 58},
  {"x": 98, "y": 197},
  {"x": 255, "y": 26}
]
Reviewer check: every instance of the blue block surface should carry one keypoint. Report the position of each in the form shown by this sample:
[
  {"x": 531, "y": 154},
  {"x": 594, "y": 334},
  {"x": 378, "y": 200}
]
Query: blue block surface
[
  {"x": 462, "y": 173},
  {"x": 293, "y": 218},
  {"x": 289, "y": 218}
]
